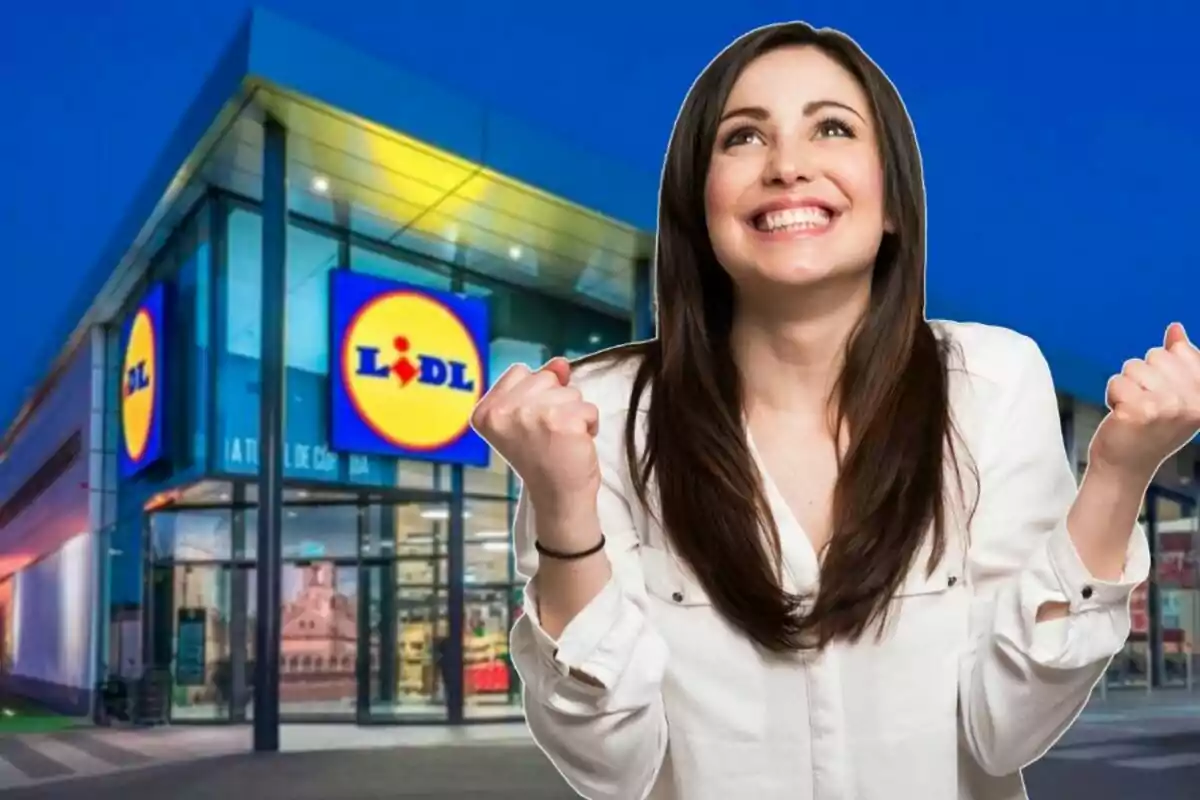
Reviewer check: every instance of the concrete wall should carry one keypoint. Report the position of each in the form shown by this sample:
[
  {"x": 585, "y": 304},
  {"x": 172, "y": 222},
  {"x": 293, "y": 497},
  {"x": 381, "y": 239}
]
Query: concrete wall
[{"x": 48, "y": 549}]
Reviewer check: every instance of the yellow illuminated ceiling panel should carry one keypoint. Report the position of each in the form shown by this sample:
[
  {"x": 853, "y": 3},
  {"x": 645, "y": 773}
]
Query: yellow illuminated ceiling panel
[{"x": 409, "y": 187}]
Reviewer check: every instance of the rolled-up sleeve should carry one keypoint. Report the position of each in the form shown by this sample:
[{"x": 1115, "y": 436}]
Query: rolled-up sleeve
[
  {"x": 608, "y": 738},
  {"x": 1024, "y": 682}
]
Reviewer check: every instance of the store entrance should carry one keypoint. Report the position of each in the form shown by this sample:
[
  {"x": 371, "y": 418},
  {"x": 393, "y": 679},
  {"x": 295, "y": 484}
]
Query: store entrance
[
  {"x": 1161, "y": 649},
  {"x": 363, "y": 610}
]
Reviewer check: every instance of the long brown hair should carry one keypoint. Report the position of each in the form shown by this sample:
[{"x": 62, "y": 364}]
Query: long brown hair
[{"x": 891, "y": 397}]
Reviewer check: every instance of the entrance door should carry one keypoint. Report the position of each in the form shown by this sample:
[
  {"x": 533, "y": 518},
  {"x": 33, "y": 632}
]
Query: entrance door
[
  {"x": 188, "y": 634},
  {"x": 319, "y": 637},
  {"x": 361, "y": 623},
  {"x": 320, "y": 641},
  {"x": 405, "y": 615},
  {"x": 403, "y": 670},
  {"x": 1174, "y": 589}
]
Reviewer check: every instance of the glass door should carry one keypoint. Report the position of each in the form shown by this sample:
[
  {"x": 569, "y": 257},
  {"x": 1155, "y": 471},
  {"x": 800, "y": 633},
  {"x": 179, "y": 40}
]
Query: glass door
[
  {"x": 405, "y": 613},
  {"x": 363, "y": 616},
  {"x": 243, "y": 589},
  {"x": 1174, "y": 593},
  {"x": 319, "y": 639},
  {"x": 189, "y": 636},
  {"x": 403, "y": 671}
]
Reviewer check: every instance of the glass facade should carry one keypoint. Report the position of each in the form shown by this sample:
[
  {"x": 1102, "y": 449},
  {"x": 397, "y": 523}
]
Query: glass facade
[{"x": 367, "y": 541}]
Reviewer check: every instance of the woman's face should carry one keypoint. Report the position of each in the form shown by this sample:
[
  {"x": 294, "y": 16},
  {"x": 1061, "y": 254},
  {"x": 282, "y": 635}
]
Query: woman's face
[{"x": 795, "y": 187}]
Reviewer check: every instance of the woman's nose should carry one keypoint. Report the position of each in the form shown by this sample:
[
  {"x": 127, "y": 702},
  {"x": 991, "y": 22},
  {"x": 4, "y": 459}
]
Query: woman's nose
[{"x": 789, "y": 165}]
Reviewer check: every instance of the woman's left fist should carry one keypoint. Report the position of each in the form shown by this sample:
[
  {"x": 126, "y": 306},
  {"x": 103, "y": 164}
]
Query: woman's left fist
[{"x": 1155, "y": 408}]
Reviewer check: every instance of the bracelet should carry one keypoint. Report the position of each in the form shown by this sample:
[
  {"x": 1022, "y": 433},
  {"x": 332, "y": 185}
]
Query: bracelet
[{"x": 561, "y": 556}]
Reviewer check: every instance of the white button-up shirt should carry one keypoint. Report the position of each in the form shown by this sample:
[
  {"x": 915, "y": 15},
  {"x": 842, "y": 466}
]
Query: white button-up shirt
[{"x": 964, "y": 689}]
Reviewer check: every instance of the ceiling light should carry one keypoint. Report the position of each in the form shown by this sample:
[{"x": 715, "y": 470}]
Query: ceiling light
[
  {"x": 320, "y": 184},
  {"x": 440, "y": 513},
  {"x": 514, "y": 252},
  {"x": 490, "y": 535}
]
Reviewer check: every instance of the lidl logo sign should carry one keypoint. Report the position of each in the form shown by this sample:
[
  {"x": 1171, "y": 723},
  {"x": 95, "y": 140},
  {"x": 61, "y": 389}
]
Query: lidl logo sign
[
  {"x": 142, "y": 379},
  {"x": 409, "y": 365}
]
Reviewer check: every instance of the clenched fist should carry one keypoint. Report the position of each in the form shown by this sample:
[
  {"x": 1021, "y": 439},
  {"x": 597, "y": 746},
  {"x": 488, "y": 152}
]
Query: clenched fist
[
  {"x": 1155, "y": 404},
  {"x": 545, "y": 430}
]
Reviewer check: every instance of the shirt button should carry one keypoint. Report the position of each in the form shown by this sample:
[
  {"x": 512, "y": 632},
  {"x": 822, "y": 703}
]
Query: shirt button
[
  {"x": 953, "y": 579},
  {"x": 1087, "y": 592},
  {"x": 677, "y": 597}
]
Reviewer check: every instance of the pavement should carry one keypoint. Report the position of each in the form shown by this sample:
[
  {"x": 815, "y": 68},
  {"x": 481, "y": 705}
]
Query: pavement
[
  {"x": 1132, "y": 747},
  {"x": 1122, "y": 754},
  {"x": 87, "y": 752}
]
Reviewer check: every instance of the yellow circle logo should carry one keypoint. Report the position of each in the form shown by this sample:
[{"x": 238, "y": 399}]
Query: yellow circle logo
[
  {"x": 411, "y": 370},
  {"x": 139, "y": 385}
]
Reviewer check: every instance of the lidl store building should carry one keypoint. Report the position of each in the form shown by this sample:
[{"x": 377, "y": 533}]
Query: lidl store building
[{"x": 384, "y": 247}]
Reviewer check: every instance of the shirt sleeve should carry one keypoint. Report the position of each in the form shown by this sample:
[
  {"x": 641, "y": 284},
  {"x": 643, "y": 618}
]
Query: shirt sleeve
[
  {"x": 607, "y": 740},
  {"x": 1024, "y": 682}
]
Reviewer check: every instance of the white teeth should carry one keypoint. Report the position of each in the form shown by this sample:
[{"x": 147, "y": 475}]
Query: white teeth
[{"x": 794, "y": 219}]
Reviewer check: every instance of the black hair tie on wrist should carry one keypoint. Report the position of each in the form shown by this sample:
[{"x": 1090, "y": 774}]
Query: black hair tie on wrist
[{"x": 561, "y": 556}]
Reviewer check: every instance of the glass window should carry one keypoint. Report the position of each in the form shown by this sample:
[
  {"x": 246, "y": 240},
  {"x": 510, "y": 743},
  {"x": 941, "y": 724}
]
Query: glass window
[
  {"x": 311, "y": 532},
  {"x": 310, "y": 257},
  {"x": 192, "y": 312},
  {"x": 491, "y": 687},
  {"x": 420, "y": 475},
  {"x": 192, "y": 535},
  {"x": 243, "y": 283},
  {"x": 237, "y": 380},
  {"x": 373, "y": 262},
  {"x": 405, "y": 529},
  {"x": 421, "y": 572},
  {"x": 586, "y": 331},
  {"x": 487, "y": 538}
]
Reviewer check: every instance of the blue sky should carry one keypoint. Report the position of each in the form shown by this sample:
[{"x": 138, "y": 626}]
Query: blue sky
[{"x": 1060, "y": 145}]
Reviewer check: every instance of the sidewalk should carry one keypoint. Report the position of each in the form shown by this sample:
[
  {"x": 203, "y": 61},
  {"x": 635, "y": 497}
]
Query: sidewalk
[
  {"x": 84, "y": 752},
  {"x": 36, "y": 759},
  {"x": 481, "y": 771},
  {"x": 478, "y": 769},
  {"x": 1126, "y": 730},
  {"x": 1133, "y": 713}
]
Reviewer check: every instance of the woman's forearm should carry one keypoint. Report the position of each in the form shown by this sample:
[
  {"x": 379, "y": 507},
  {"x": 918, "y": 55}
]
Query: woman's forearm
[
  {"x": 565, "y": 587},
  {"x": 1103, "y": 516},
  {"x": 1100, "y": 522}
]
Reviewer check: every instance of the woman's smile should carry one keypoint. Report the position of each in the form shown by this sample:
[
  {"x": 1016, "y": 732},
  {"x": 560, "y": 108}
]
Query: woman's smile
[{"x": 786, "y": 220}]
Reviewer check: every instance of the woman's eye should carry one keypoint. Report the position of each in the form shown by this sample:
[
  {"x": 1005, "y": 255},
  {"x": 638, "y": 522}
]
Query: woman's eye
[
  {"x": 835, "y": 128},
  {"x": 742, "y": 136}
]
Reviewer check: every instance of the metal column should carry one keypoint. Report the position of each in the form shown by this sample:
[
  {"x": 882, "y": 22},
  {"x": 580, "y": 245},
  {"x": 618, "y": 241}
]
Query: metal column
[
  {"x": 456, "y": 600},
  {"x": 270, "y": 437}
]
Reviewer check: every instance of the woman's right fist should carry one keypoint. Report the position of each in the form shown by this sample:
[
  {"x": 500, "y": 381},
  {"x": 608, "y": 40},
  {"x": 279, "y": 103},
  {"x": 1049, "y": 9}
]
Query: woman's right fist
[{"x": 545, "y": 430}]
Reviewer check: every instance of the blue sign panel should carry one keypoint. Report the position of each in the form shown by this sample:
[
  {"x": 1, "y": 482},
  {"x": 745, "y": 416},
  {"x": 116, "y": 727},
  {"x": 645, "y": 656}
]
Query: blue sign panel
[
  {"x": 143, "y": 378},
  {"x": 407, "y": 366}
]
